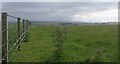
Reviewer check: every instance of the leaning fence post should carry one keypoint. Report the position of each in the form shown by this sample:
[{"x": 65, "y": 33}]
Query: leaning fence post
[
  {"x": 4, "y": 38},
  {"x": 18, "y": 30}
]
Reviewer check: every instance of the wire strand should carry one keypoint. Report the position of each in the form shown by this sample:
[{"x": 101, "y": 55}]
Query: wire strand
[
  {"x": 15, "y": 17},
  {"x": 14, "y": 45}
]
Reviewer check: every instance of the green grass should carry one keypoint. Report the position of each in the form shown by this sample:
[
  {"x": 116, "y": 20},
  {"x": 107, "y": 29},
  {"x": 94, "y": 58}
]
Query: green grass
[
  {"x": 12, "y": 38},
  {"x": 80, "y": 45}
]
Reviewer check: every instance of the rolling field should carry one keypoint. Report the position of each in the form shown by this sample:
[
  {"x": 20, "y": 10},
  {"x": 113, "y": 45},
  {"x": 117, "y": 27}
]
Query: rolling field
[{"x": 87, "y": 43}]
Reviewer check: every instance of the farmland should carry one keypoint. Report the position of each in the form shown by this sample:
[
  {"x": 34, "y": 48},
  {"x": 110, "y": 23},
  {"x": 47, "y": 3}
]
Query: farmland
[{"x": 81, "y": 44}]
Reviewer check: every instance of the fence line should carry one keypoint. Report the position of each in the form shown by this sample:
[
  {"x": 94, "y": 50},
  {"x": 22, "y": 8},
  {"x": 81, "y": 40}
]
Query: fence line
[{"x": 17, "y": 39}]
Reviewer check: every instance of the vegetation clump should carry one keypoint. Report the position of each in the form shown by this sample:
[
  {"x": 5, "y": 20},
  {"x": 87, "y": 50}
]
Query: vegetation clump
[{"x": 59, "y": 36}]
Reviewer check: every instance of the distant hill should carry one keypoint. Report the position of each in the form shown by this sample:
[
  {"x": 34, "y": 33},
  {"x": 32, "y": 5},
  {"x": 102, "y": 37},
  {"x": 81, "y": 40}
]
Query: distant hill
[
  {"x": 54, "y": 22},
  {"x": 71, "y": 23}
]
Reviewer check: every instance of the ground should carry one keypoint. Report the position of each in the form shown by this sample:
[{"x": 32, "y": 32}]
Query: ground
[{"x": 80, "y": 45}]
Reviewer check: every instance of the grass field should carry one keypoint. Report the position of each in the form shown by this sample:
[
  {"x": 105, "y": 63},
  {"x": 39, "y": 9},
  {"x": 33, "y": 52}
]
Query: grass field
[{"x": 81, "y": 44}]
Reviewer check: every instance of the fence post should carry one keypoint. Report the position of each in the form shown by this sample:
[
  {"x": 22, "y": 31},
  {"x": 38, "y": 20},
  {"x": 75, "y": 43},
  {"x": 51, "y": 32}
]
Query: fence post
[
  {"x": 27, "y": 24},
  {"x": 23, "y": 30},
  {"x": 4, "y": 38},
  {"x": 26, "y": 30},
  {"x": 23, "y": 26},
  {"x": 18, "y": 30}
]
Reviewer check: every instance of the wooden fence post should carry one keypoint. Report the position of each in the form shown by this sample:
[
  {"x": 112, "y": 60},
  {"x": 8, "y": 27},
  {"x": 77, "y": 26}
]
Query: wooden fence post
[
  {"x": 27, "y": 24},
  {"x": 23, "y": 26},
  {"x": 23, "y": 29},
  {"x": 4, "y": 38},
  {"x": 26, "y": 30},
  {"x": 19, "y": 32}
]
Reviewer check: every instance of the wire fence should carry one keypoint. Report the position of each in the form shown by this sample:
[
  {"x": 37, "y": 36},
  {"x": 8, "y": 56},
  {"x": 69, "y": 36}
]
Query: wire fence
[{"x": 13, "y": 35}]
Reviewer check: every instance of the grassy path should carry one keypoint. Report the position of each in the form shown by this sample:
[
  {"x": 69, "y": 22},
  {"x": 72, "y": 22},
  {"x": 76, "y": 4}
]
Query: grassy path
[{"x": 80, "y": 45}]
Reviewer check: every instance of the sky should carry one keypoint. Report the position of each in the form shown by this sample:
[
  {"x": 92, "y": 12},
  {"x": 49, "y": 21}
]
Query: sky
[
  {"x": 60, "y": 0},
  {"x": 94, "y": 11}
]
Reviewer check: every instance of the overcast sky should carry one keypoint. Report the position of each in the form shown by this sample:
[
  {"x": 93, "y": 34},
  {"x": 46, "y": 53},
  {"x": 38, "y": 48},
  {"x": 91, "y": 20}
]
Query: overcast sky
[
  {"x": 60, "y": 0},
  {"x": 64, "y": 11}
]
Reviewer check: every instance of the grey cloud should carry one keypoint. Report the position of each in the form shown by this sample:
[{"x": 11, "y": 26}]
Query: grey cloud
[
  {"x": 53, "y": 11},
  {"x": 60, "y": 0}
]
